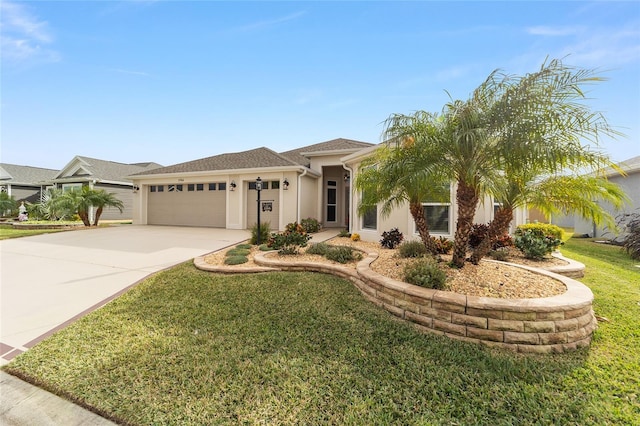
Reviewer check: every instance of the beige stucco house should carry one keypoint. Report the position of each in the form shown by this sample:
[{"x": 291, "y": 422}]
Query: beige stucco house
[{"x": 309, "y": 182}]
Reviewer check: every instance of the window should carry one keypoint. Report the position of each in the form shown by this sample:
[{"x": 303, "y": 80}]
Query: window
[
  {"x": 191, "y": 187},
  {"x": 175, "y": 188},
  {"x": 222, "y": 186},
  {"x": 370, "y": 218},
  {"x": 252, "y": 185},
  {"x": 437, "y": 210},
  {"x": 66, "y": 187},
  {"x": 265, "y": 185},
  {"x": 160, "y": 188},
  {"x": 200, "y": 187},
  {"x": 152, "y": 188},
  {"x": 212, "y": 187},
  {"x": 275, "y": 184},
  {"x": 178, "y": 188}
]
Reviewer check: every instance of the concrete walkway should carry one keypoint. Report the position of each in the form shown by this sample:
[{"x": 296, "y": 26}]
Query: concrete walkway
[{"x": 49, "y": 281}]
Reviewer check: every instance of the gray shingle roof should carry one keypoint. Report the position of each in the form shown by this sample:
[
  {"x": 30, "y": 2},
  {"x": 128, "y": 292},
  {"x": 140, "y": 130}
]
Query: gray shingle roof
[
  {"x": 332, "y": 145},
  {"x": 109, "y": 170},
  {"x": 25, "y": 175},
  {"x": 259, "y": 157}
]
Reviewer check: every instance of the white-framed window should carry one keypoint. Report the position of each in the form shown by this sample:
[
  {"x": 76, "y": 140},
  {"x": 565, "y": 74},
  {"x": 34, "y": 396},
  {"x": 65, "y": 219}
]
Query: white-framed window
[
  {"x": 66, "y": 187},
  {"x": 437, "y": 211}
]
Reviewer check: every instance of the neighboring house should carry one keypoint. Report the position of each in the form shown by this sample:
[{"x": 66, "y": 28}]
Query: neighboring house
[
  {"x": 630, "y": 184},
  {"x": 101, "y": 174},
  {"x": 24, "y": 183},
  {"x": 312, "y": 181}
]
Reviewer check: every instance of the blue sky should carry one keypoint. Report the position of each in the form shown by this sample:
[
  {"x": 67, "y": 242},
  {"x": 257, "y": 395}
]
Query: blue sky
[{"x": 177, "y": 81}]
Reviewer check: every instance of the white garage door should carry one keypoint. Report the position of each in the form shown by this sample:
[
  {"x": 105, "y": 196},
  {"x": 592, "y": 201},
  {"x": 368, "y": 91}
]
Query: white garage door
[
  {"x": 193, "y": 204},
  {"x": 269, "y": 204}
]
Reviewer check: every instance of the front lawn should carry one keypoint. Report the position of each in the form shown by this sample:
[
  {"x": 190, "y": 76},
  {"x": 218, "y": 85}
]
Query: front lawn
[
  {"x": 8, "y": 231},
  {"x": 186, "y": 347}
]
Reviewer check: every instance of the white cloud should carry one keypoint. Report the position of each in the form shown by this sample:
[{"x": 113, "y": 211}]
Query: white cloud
[
  {"x": 270, "y": 23},
  {"x": 25, "y": 37},
  {"x": 554, "y": 31}
]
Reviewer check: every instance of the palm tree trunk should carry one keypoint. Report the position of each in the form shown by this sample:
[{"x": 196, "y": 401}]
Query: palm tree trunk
[
  {"x": 98, "y": 213},
  {"x": 417, "y": 212},
  {"x": 467, "y": 200},
  {"x": 84, "y": 216},
  {"x": 499, "y": 226}
]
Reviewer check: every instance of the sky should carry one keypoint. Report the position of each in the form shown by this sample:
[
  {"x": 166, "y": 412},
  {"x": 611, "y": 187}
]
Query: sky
[{"x": 170, "y": 81}]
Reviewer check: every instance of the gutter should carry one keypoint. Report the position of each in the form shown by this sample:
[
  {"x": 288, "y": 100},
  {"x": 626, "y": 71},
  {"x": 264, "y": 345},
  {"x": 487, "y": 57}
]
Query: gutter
[{"x": 304, "y": 173}]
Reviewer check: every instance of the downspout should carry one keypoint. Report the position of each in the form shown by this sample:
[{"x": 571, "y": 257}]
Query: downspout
[
  {"x": 351, "y": 216},
  {"x": 300, "y": 176}
]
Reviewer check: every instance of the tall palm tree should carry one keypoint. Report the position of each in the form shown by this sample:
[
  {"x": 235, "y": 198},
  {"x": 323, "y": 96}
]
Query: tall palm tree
[
  {"x": 539, "y": 122},
  {"x": 101, "y": 199},
  {"x": 396, "y": 174},
  {"x": 76, "y": 200}
]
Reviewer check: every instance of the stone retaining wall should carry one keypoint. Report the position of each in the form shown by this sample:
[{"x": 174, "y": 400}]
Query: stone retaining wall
[{"x": 546, "y": 325}]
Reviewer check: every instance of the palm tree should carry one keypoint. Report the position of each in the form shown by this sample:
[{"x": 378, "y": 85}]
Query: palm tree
[
  {"x": 76, "y": 200},
  {"x": 7, "y": 203},
  {"x": 102, "y": 199},
  {"x": 395, "y": 174},
  {"x": 539, "y": 122}
]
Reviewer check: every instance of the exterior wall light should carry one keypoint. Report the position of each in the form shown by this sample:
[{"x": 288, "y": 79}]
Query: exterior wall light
[
  {"x": 232, "y": 185},
  {"x": 285, "y": 184}
]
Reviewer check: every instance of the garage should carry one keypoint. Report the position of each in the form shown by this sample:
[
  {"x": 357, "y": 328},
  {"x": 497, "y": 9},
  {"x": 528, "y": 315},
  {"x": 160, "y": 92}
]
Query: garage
[
  {"x": 190, "y": 204},
  {"x": 269, "y": 204}
]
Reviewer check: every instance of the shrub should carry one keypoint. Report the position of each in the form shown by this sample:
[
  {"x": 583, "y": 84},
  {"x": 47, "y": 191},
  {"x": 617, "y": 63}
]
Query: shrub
[
  {"x": 265, "y": 230},
  {"x": 244, "y": 246},
  {"x": 355, "y": 237},
  {"x": 501, "y": 254},
  {"x": 289, "y": 241},
  {"x": 442, "y": 245},
  {"x": 310, "y": 225},
  {"x": 238, "y": 252},
  {"x": 631, "y": 241},
  {"x": 264, "y": 247},
  {"x": 478, "y": 233},
  {"x": 503, "y": 241},
  {"x": 534, "y": 246},
  {"x": 318, "y": 248},
  {"x": 425, "y": 273},
  {"x": 344, "y": 233},
  {"x": 542, "y": 230},
  {"x": 392, "y": 238},
  {"x": 342, "y": 254},
  {"x": 235, "y": 260},
  {"x": 413, "y": 248}
]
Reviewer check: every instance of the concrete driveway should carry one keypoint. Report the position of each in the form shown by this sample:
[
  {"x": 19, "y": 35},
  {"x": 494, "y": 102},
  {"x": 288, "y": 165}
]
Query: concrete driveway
[{"x": 50, "y": 280}]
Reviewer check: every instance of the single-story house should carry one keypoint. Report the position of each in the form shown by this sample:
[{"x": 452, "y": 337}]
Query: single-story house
[
  {"x": 630, "y": 184},
  {"x": 101, "y": 174},
  {"x": 309, "y": 182},
  {"x": 24, "y": 183}
]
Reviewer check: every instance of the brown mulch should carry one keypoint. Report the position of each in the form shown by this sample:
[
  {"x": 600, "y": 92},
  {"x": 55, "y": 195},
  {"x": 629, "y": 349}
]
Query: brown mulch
[{"x": 488, "y": 279}]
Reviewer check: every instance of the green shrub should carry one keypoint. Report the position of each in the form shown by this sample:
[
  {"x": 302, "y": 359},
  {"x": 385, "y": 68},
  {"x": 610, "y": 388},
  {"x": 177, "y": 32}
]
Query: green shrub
[
  {"x": 343, "y": 254},
  {"x": 542, "y": 230},
  {"x": 425, "y": 273},
  {"x": 244, "y": 246},
  {"x": 442, "y": 245},
  {"x": 391, "y": 239},
  {"x": 501, "y": 254},
  {"x": 238, "y": 252},
  {"x": 413, "y": 248},
  {"x": 344, "y": 233},
  {"x": 265, "y": 230},
  {"x": 318, "y": 248},
  {"x": 310, "y": 225},
  {"x": 289, "y": 241},
  {"x": 534, "y": 246},
  {"x": 264, "y": 247},
  {"x": 631, "y": 241},
  {"x": 235, "y": 260}
]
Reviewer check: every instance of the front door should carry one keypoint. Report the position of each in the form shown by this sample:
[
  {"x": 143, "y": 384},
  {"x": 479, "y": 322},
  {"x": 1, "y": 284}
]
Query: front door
[{"x": 331, "y": 212}]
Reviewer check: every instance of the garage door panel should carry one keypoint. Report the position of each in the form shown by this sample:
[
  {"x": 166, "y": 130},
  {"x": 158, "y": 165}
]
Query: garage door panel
[{"x": 187, "y": 208}]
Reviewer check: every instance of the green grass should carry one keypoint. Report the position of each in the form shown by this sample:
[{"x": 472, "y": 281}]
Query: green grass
[
  {"x": 7, "y": 231},
  {"x": 186, "y": 347}
]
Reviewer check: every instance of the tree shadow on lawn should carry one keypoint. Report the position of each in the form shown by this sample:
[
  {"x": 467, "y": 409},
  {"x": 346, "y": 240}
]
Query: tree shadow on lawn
[{"x": 189, "y": 347}]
